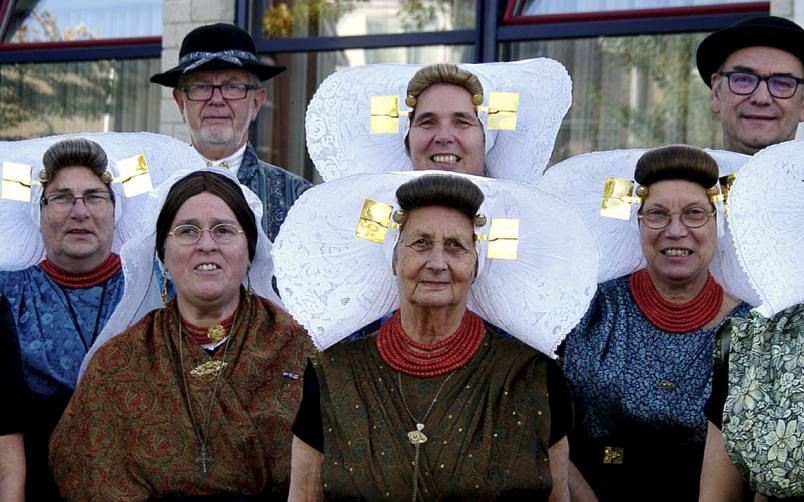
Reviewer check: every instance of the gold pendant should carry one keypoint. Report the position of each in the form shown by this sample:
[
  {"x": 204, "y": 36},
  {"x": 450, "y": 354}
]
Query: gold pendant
[
  {"x": 216, "y": 332},
  {"x": 209, "y": 370},
  {"x": 417, "y": 436}
]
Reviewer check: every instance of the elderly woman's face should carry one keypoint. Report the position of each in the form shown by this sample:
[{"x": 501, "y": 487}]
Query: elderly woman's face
[
  {"x": 677, "y": 254},
  {"x": 435, "y": 259},
  {"x": 446, "y": 134},
  {"x": 207, "y": 274}
]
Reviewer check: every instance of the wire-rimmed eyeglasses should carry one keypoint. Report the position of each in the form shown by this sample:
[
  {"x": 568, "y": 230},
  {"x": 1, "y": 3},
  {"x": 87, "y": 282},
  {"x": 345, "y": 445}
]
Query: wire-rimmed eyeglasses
[
  {"x": 222, "y": 233},
  {"x": 64, "y": 201},
  {"x": 692, "y": 217},
  {"x": 744, "y": 83},
  {"x": 203, "y": 92}
]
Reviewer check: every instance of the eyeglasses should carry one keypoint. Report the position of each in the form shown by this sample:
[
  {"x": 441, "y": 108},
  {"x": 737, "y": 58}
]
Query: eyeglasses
[
  {"x": 692, "y": 217},
  {"x": 65, "y": 201},
  {"x": 222, "y": 233},
  {"x": 779, "y": 86},
  {"x": 203, "y": 92}
]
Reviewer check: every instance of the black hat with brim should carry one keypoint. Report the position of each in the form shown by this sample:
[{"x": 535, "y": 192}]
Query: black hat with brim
[
  {"x": 217, "y": 47},
  {"x": 765, "y": 31}
]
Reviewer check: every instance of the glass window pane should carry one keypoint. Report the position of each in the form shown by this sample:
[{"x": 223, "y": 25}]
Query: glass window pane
[
  {"x": 57, "y": 20},
  {"x": 279, "y": 135},
  {"x": 338, "y": 18},
  {"x": 55, "y": 98},
  {"x": 542, "y": 7},
  {"x": 629, "y": 92}
]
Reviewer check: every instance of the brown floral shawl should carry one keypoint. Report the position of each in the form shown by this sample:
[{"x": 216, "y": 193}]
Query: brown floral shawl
[
  {"x": 488, "y": 433},
  {"x": 127, "y": 434}
]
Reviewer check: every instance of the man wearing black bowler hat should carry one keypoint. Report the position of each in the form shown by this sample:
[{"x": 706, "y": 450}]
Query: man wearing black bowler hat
[
  {"x": 755, "y": 71},
  {"x": 217, "y": 86}
]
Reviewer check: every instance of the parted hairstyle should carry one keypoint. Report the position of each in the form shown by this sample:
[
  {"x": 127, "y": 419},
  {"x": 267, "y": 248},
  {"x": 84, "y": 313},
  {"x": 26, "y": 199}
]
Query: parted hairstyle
[
  {"x": 445, "y": 190},
  {"x": 216, "y": 184},
  {"x": 444, "y": 73},
  {"x": 676, "y": 162},
  {"x": 74, "y": 152}
]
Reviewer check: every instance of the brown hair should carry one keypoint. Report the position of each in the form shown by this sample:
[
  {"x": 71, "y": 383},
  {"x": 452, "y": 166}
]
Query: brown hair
[
  {"x": 445, "y": 190},
  {"x": 74, "y": 152},
  {"x": 676, "y": 162},
  {"x": 444, "y": 73},
  {"x": 216, "y": 184}
]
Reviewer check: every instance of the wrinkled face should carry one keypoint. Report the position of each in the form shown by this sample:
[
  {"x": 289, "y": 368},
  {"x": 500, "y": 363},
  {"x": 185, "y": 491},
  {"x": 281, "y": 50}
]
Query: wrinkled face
[
  {"x": 219, "y": 124},
  {"x": 755, "y": 121},
  {"x": 677, "y": 255},
  {"x": 77, "y": 238},
  {"x": 435, "y": 259},
  {"x": 445, "y": 133},
  {"x": 207, "y": 274}
]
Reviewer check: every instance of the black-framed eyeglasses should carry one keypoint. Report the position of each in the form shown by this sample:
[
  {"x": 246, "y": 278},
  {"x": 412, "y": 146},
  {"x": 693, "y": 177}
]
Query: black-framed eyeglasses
[
  {"x": 745, "y": 83},
  {"x": 64, "y": 201},
  {"x": 692, "y": 217},
  {"x": 188, "y": 234},
  {"x": 203, "y": 92}
]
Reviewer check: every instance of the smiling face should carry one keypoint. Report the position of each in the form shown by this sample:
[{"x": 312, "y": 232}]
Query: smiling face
[
  {"x": 435, "y": 259},
  {"x": 445, "y": 133},
  {"x": 207, "y": 275},
  {"x": 219, "y": 126},
  {"x": 757, "y": 120},
  {"x": 678, "y": 256},
  {"x": 77, "y": 238}
]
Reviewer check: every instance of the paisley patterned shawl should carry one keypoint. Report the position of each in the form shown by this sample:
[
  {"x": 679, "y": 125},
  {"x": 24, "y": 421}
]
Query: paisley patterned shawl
[
  {"x": 127, "y": 433},
  {"x": 487, "y": 433},
  {"x": 52, "y": 350},
  {"x": 763, "y": 417}
]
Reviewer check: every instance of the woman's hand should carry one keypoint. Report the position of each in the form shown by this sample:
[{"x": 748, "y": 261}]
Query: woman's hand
[
  {"x": 579, "y": 488},
  {"x": 559, "y": 470},
  {"x": 720, "y": 480},
  {"x": 12, "y": 468},
  {"x": 305, "y": 473}
]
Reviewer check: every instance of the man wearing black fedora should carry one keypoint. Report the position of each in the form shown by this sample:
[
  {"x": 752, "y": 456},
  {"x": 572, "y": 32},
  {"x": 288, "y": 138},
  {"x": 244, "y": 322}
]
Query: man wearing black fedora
[
  {"x": 217, "y": 86},
  {"x": 755, "y": 71}
]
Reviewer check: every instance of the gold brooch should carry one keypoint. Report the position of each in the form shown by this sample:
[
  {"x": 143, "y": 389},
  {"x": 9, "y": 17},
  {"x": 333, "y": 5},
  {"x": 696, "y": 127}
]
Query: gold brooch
[
  {"x": 209, "y": 370},
  {"x": 216, "y": 333}
]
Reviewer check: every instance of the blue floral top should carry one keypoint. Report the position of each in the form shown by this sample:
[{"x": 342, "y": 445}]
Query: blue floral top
[
  {"x": 56, "y": 326},
  {"x": 629, "y": 376}
]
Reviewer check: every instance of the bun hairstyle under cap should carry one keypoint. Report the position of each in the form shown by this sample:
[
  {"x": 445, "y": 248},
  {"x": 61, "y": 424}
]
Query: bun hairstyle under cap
[
  {"x": 676, "y": 162},
  {"x": 444, "y": 190},
  {"x": 197, "y": 183}
]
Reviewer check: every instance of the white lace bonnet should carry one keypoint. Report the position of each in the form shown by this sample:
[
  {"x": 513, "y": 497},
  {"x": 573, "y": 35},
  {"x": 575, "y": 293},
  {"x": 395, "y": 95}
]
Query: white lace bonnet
[
  {"x": 334, "y": 283},
  {"x": 581, "y": 179},
  {"x": 19, "y": 227},
  {"x": 143, "y": 287},
  {"x": 338, "y": 118},
  {"x": 766, "y": 216}
]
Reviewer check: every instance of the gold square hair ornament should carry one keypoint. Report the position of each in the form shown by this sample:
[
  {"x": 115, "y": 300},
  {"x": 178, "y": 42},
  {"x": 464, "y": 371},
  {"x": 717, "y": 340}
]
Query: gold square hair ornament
[
  {"x": 503, "y": 238},
  {"x": 16, "y": 182},
  {"x": 385, "y": 114},
  {"x": 374, "y": 221},
  {"x": 134, "y": 175},
  {"x": 617, "y": 198},
  {"x": 502, "y": 110}
]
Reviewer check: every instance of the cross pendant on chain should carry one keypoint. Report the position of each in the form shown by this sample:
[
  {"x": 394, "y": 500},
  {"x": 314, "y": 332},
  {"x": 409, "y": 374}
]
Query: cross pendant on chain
[{"x": 203, "y": 459}]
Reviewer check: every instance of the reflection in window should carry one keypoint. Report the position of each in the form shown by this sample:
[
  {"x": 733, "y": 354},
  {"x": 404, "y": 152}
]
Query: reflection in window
[
  {"x": 629, "y": 92},
  {"x": 541, "y": 7},
  {"x": 57, "y": 20},
  {"x": 279, "y": 136},
  {"x": 330, "y": 18},
  {"x": 57, "y": 98}
]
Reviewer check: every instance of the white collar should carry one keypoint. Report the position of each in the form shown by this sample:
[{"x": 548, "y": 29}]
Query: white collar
[{"x": 232, "y": 162}]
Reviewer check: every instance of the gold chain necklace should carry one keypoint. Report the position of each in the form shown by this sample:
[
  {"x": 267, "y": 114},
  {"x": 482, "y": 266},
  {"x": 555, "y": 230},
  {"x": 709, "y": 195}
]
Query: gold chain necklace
[
  {"x": 203, "y": 459},
  {"x": 417, "y": 438}
]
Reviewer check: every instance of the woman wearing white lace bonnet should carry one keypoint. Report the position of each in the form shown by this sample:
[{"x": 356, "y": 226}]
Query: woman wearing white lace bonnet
[
  {"x": 755, "y": 441},
  {"x": 446, "y": 253},
  {"x": 640, "y": 362},
  {"x": 493, "y": 119},
  {"x": 213, "y": 377}
]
